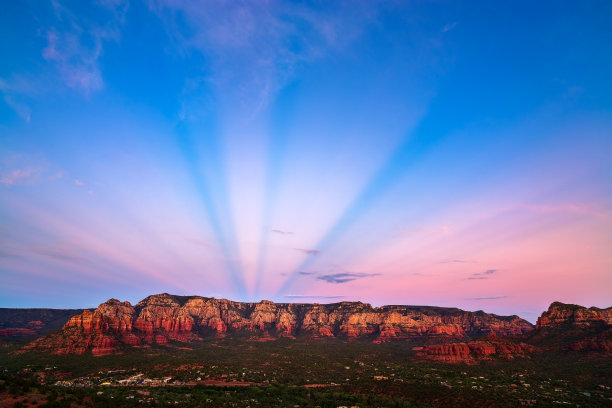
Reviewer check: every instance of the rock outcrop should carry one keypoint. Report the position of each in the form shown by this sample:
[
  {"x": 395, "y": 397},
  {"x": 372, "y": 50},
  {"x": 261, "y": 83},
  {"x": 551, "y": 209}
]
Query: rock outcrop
[
  {"x": 562, "y": 328},
  {"x": 163, "y": 318},
  {"x": 561, "y": 314},
  {"x": 474, "y": 351},
  {"x": 574, "y": 328}
]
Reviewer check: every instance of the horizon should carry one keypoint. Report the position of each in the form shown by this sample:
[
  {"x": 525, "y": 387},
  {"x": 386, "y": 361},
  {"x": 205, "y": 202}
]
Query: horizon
[
  {"x": 447, "y": 154},
  {"x": 331, "y": 302}
]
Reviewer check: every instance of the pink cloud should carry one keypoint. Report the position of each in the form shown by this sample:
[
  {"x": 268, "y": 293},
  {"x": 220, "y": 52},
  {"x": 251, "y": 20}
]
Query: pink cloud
[
  {"x": 77, "y": 64},
  {"x": 75, "y": 46},
  {"x": 12, "y": 177}
]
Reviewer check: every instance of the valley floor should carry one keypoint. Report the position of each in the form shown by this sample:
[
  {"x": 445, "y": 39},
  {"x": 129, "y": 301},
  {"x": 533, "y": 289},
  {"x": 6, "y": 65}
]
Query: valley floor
[{"x": 298, "y": 373}]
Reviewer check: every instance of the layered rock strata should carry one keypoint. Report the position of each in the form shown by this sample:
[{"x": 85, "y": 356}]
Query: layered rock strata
[
  {"x": 474, "y": 351},
  {"x": 575, "y": 328},
  {"x": 562, "y": 314},
  {"x": 163, "y": 318},
  {"x": 562, "y": 328}
]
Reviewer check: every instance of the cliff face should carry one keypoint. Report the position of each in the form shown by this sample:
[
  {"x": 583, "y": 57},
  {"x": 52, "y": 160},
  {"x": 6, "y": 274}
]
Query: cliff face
[
  {"x": 563, "y": 327},
  {"x": 574, "y": 328},
  {"x": 160, "y": 318},
  {"x": 471, "y": 352},
  {"x": 560, "y": 313}
]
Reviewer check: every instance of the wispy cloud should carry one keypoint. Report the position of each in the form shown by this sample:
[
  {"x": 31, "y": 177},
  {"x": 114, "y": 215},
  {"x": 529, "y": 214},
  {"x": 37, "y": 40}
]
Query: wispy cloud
[
  {"x": 282, "y": 232},
  {"x": 487, "y": 298},
  {"x": 308, "y": 251},
  {"x": 59, "y": 252},
  {"x": 455, "y": 261},
  {"x": 17, "y": 168},
  {"x": 74, "y": 45},
  {"x": 344, "y": 277},
  {"x": 483, "y": 275},
  {"x": 306, "y": 273},
  {"x": 449, "y": 26},
  {"x": 16, "y": 92},
  {"x": 256, "y": 47},
  {"x": 77, "y": 63},
  {"x": 8, "y": 178}
]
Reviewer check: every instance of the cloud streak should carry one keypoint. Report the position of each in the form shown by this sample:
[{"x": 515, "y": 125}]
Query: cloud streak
[
  {"x": 60, "y": 253},
  {"x": 455, "y": 261},
  {"x": 308, "y": 251},
  {"x": 344, "y": 277},
  {"x": 482, "y": 275}
]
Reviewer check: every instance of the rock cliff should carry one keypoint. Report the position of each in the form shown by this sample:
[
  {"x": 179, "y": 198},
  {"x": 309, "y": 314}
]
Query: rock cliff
[
  {"x": 562, "y": 314},
  {"x": 162, "y": 318},
  {"x": 574, "y": 328},
  {"x": 474, "y": 351},
  {"x": 562, "y": 328}
]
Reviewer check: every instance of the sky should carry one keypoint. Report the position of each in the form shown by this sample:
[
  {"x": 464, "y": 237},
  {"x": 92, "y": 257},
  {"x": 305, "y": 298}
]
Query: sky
[{"x": 424, "y": 153}]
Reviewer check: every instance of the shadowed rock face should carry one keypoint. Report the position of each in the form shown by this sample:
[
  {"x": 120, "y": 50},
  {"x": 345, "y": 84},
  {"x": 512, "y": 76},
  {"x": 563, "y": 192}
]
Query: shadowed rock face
[
  {"x": 18, "y": 324},
  {"x": 481, "y": 349},
  {"x": 160, "y": 318},
  {"x": 575, "y": 328}
]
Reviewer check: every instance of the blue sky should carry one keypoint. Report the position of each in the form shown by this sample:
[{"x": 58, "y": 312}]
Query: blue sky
[{"x": 389, "y": 152}]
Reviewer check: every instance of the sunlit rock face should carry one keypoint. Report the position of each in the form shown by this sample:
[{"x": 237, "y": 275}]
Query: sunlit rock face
[
  {"x": 561, "y": 313},
  {"x": 164, "y": 318}
]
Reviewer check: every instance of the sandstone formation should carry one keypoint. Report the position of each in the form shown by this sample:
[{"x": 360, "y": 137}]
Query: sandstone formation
[
  {"x": 562, "y": 328},
  {"x": 163, "y": 318},
  {"x": 560, "y": 313},
  {"x": 575, "y": 328},
  {"x": 481, "y": 349}
]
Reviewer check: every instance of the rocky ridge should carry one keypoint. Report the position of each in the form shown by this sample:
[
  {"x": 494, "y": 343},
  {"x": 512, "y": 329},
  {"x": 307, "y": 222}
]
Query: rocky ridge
[
  {"x": 563, "y": 327},
  {"x": 561, "y": 313},
  {"x": 574, "y": 328},
  {"x": 17, "y": 324},
  {"x": 163, "y": 318},
  {"x": 473, "y": 351}
]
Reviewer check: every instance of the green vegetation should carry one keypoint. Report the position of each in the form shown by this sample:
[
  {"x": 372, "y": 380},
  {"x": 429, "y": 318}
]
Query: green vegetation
[{"x": 330, "y": 373}]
